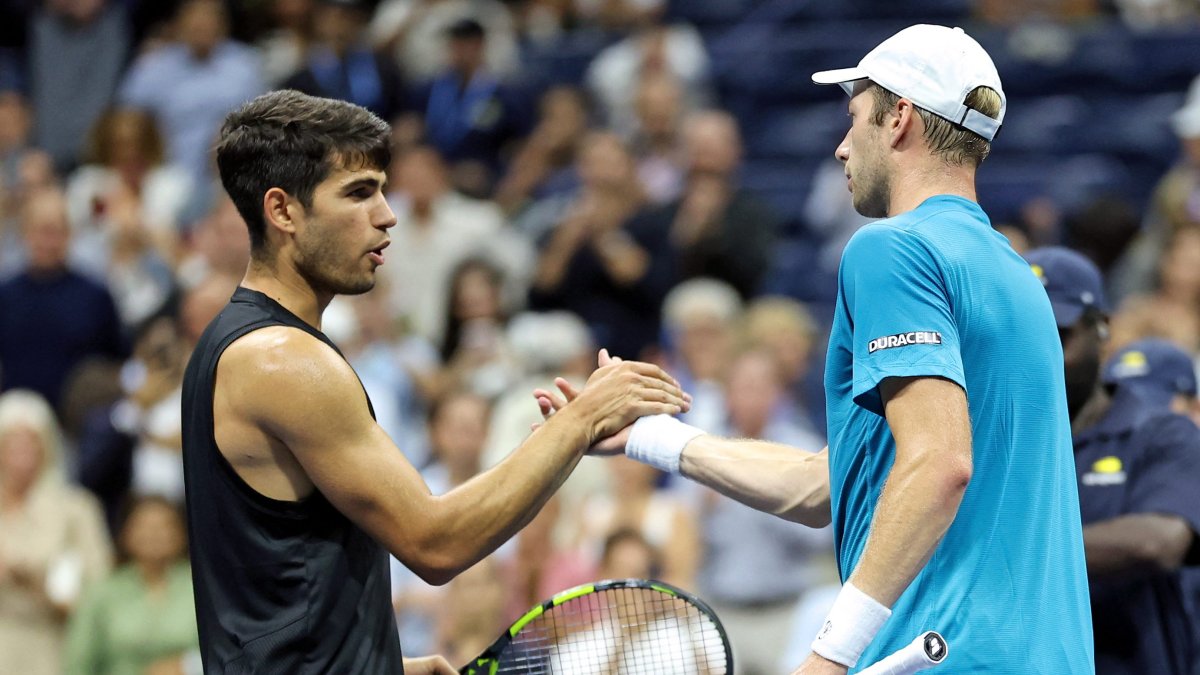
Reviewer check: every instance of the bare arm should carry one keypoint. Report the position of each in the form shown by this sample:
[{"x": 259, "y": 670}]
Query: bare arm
[
  {"x": 931, "y": 425},
  {"x": 778, "y": 479},
  {"x": 1137, "y": 542},
  {"x": 306, "y": 396},
  {"x": 790, "y": 483}
]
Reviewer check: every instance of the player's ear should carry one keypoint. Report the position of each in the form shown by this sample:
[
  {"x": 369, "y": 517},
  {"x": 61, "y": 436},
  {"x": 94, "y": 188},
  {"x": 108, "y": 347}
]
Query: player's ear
[
  {"x": 280, "y": 210},
  {"x": 903, "y": 122}
]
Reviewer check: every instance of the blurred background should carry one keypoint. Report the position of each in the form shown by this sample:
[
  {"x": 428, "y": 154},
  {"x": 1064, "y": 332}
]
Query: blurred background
[{"x": 651, "y": 176}]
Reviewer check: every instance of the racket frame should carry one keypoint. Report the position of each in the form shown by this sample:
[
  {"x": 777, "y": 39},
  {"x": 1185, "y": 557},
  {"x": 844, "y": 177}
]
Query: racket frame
[{"x": 488, "y": 662}]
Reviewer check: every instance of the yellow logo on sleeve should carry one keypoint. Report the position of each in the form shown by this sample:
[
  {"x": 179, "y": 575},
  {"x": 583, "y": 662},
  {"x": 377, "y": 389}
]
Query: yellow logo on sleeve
[{"x": 1107, "y": 465}]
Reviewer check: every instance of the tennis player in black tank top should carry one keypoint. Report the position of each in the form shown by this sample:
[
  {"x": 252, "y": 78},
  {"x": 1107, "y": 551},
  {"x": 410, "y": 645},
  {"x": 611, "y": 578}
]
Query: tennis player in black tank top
[{"x": 295, "y": 495}]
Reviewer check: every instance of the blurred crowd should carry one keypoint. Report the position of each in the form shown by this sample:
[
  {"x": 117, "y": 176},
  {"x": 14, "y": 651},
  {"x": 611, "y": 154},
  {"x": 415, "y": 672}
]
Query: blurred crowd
[{"x": 535, "y": 224}]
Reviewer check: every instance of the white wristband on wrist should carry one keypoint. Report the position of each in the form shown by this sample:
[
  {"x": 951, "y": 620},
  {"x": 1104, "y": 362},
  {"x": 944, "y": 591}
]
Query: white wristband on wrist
[
  {"x": 850, "y": 626},
  {"x": 658, "y": 440}
]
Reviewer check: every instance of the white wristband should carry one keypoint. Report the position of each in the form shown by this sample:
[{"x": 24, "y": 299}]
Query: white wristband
[
  {"x": 658, "y": 440},
  {"x": 850, "y": 626}
]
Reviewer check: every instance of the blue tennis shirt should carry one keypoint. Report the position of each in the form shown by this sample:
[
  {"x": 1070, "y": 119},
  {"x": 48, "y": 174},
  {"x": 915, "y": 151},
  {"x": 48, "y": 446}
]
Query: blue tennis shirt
[{"x": 936, "y": 292}]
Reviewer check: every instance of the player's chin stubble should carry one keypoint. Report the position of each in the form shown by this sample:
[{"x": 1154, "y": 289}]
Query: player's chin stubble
[
  {"x": 872, "y": 195},
  {"x": 323, "y": 273}
]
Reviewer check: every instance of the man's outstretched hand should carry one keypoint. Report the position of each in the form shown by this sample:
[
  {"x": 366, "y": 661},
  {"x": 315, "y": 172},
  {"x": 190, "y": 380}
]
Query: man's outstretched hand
[{"x": 550, "y": 402}]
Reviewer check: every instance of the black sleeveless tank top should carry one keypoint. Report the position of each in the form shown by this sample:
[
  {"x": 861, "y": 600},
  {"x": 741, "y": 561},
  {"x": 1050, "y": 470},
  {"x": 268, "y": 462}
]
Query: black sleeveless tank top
[{"x": 281, "y": 587}]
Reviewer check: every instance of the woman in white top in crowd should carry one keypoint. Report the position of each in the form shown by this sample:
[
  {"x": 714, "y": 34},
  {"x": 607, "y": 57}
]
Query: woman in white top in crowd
[{"x": 53, "y": 542}]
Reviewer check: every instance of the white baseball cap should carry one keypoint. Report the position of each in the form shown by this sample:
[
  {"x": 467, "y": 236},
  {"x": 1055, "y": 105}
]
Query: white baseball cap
[
  {"x": 1186, "y": 120},
  {"x": 935, "y": 67}
]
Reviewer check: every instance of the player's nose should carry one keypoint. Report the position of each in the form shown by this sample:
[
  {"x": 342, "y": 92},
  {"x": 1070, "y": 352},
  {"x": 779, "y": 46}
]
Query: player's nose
[
  {"x": 842, "y": 153},
  {"x": 382, "y": 216}
]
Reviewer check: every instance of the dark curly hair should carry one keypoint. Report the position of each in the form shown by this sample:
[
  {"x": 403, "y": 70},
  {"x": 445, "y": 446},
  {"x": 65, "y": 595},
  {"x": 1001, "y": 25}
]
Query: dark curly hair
[{"x": 289, "y": 140}]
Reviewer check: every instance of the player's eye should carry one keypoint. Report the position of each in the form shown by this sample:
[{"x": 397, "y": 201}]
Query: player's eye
[{"x": 363, "y": 193}]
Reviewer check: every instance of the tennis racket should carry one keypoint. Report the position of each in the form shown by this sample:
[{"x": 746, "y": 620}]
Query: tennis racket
[
  {"x": 926, "y": 651},
  {"x": 626, "y": 627}
]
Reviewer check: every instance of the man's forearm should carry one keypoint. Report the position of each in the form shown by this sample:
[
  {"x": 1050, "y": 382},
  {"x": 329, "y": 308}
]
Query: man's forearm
[
  {"x": 918, "y": 503},
  {"x": 480, "y": 515},
  {"x": 790, "y": 483},
  {"x": 1138, "y": 542}
]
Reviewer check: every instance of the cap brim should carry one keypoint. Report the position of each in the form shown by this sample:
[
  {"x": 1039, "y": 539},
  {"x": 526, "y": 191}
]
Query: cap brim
[
  {"x": 1066, "y": 314},
  {"x": 840, "y": 76}
]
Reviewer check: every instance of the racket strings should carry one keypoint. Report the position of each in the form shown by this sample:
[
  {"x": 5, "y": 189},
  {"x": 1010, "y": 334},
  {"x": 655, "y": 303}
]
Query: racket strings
[{"x": 625, "y": 631}]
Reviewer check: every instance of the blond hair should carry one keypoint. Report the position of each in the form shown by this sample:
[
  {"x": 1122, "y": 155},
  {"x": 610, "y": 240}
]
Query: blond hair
[
  {"x": 775, "y": 314},
  {"x": 955, "y": 144},
  {"x": 25, "y": 409}
]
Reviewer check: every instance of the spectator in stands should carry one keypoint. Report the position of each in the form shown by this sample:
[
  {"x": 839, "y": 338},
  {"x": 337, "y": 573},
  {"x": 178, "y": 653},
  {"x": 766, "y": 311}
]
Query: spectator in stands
[
  {"x": 283, "y": 48},
  {"x": 126, "y": 158},
  {"x": 1165, "y": 378},
  {"x": 140, "y": 275},
  {"x": 219, "y": 245},
  {"x": 339, "y": 66},
  {"x": 1161, "y": 371},
  {"x": 1173, "y": 310},
  {"x": 458, "y": 427},
  {"x": 635, "y": 503},
  {"x": 151, "y": 412},
  {"x": 392, "y": 363},
  {"x": 471, "y": 117},
  {"x": 543, "y": 345},
  {"x": 1175, "y": 204},
  {"x": 78, "y": 50},
  {"x": 16, "y": 121},
  {"x": 786, "y": 329},
  {"x": 414, "y": 32},
  {"x": 628, "y": 555},
  {"x": 652, "y": 50},
  {"x": 51, "y": 317},
  {"x": 657, "y": 137},
  {"x": 545, "y": 165},
  {"x": 756, "y": 566},
  {"x": 436, "y": 229},
  {"x": 129, "y": 438},
  {"x": 719, "y": 230},
  {"x": 700, "y": 319},
  {"x": 15, "y": 124},
  {"x": 605, "y": 261},
  {"x": 142, "y": 619},
  {"x": 1138, "y": 467},
  {"x": 830, "y": 215},
  {"x": 473, "y": 612},
  {"x": 475, "y": 354},
  {"x": 34, "y": 173},
  {"x": 54, "y": 543},
  {"x": 192, "y": 82}
]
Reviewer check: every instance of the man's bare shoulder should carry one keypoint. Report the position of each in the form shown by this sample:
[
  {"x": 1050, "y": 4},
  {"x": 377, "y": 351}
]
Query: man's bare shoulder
[{"x": 276, "y": 373}]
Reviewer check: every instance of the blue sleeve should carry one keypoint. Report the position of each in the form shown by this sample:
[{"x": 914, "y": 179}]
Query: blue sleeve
[
  {"x": 1166, "y": 478},
  {"x": 901, "y": 311}
]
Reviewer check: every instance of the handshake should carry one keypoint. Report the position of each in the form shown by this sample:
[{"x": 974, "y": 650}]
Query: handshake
[{"x": 618, "y": 394}]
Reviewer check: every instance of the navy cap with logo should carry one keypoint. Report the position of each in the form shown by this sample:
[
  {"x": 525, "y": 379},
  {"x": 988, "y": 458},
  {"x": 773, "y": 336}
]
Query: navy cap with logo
[
  {"x": 1073, "y": 283},
  {"x": 1158, "y": 369}
]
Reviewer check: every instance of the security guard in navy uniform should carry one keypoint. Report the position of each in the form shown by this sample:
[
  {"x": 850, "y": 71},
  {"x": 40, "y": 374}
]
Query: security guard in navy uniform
[
  {"x": 1165, "y": 377},
  {"x": 1139, "y": 488}
]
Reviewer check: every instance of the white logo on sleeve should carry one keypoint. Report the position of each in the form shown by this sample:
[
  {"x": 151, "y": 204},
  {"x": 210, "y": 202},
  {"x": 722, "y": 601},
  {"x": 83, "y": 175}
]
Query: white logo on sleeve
[{"x": 919, "y": 337}]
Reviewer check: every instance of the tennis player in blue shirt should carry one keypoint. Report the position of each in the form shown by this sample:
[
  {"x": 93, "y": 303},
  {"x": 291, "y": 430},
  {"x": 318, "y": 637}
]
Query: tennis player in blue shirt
[{"x": 949, "y": 475}]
